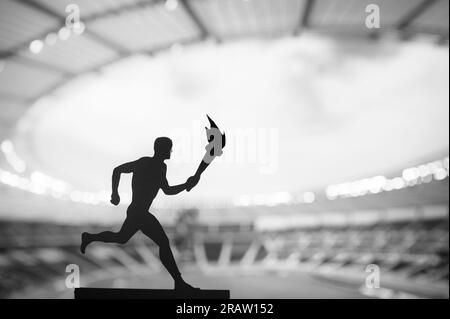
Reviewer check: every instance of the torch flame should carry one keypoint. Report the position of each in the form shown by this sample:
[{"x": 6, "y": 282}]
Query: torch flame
[{"x": 214, "y": 125}]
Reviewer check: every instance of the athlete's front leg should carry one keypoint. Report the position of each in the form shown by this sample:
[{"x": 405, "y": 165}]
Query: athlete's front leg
[{"x": 153, "y": 229}]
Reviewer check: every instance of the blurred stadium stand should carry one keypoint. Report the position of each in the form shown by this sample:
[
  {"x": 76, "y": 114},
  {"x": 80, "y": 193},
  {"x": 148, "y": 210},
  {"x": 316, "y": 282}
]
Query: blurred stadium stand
[{"x": 407, "y": 240}]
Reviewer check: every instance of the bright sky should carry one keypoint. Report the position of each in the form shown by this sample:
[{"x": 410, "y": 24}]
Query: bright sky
[{"x": 300, "y": 113}]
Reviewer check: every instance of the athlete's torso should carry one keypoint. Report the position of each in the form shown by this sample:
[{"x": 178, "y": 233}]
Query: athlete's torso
[{"x": 149, "y": 176}]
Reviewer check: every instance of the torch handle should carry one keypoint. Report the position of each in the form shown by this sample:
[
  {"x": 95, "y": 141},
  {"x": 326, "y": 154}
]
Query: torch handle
[{"x": 201, "y": 168}]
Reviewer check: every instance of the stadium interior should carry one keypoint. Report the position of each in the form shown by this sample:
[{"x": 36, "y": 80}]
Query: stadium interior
[{"x": 364, "y": 185}]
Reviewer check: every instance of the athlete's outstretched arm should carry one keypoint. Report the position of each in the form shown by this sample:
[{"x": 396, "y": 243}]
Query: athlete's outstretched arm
[
  {"x": 171, "y": 190},
  {"x": 122, "y": 169}
]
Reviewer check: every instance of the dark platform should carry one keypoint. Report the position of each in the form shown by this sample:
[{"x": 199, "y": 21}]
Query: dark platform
[{"x": 106, "y": 293}]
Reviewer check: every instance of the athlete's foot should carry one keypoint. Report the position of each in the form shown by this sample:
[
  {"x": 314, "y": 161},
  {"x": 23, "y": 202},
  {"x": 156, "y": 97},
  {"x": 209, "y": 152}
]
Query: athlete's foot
[
  {"x": 84, "y": 242},
  {"x": 184, "y": 287}
]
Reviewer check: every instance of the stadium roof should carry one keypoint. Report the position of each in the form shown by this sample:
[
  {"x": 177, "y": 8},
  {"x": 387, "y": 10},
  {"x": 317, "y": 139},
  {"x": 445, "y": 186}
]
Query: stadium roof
[{"x": 116, "y": 29}]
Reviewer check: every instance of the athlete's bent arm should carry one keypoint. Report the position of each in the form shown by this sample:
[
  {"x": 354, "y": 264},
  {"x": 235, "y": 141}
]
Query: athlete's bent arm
[{"x": 122, "y": 169}]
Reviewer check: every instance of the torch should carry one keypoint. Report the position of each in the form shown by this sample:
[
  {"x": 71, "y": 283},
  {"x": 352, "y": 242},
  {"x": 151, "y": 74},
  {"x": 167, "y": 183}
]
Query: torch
[{"x": 216, "y": 143}]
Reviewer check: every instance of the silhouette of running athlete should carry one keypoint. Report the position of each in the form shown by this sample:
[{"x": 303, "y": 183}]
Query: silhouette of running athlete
[{"x": 149, "y": 176}]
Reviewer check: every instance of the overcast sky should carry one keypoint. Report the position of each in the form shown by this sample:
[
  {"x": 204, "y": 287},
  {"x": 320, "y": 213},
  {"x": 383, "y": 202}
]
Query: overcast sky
[{"x": 320, "y": 110}]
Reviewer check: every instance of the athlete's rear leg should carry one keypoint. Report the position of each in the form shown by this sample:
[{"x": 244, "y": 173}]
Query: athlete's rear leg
[
  {"x": 153, "y": 229},
  {"x": 127, "y": 231}
]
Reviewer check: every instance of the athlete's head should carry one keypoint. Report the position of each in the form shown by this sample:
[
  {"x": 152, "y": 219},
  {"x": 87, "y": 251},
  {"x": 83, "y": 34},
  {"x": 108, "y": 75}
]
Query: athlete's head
[{"x": 163, "y": 147}]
